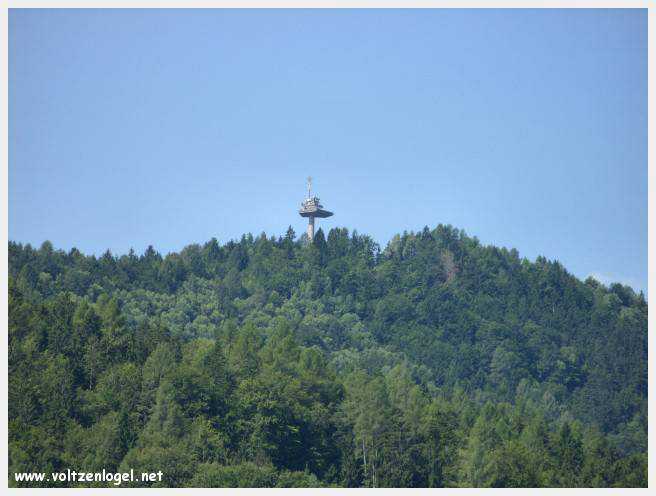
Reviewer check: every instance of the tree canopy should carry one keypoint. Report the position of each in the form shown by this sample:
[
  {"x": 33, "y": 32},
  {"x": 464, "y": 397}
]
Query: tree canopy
[{"x": 274, "y": 362}]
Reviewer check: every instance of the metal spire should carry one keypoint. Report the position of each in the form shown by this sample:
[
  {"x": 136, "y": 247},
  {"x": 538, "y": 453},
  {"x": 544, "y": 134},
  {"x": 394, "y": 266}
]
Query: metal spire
[{"x": 309, "y": 184}]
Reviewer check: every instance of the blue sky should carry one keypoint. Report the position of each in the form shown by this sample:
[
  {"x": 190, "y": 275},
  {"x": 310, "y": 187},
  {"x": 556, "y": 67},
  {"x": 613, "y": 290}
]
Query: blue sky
[{"x": 525, "y": 128}]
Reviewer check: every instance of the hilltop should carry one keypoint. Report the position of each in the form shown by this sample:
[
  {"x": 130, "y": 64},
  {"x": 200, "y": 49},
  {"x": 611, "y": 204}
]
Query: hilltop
[{"x": 269, "y": 361}]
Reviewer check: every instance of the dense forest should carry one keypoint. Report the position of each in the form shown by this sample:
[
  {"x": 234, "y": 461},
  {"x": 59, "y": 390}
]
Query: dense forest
[{"x": 274, "y": 362}]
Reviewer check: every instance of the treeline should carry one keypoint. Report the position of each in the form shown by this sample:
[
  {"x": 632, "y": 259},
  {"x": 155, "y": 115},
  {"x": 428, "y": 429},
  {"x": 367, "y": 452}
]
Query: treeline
[{"x": 273, "y": 362}]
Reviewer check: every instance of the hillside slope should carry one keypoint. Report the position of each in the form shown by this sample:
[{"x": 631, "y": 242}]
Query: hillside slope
[{"x": 270, "y": 362}]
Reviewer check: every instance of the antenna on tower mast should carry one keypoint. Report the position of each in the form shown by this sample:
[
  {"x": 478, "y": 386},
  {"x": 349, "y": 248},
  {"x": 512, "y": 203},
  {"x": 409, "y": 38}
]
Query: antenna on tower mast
[{"x": 309, "y": 185}]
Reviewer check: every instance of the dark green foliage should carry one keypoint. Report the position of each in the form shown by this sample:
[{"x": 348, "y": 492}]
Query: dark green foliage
[{"x": 263, "y": 362}]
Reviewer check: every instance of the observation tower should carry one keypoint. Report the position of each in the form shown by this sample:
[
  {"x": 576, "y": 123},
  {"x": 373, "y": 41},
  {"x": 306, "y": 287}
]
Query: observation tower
[{"x": 311, "y": 208}]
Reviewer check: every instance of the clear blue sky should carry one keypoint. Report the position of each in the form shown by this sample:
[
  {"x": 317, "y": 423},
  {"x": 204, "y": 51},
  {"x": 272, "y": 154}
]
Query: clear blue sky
[{"x": 528, "y": 129}]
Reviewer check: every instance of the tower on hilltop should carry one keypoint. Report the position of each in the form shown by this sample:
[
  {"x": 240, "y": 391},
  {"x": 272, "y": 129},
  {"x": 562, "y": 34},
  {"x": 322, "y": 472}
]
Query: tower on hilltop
[{"x": 311, "y": 208}]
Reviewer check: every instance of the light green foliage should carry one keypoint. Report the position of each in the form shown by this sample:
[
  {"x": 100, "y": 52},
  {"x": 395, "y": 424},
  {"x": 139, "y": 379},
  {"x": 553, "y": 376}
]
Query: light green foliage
[{"x": 273, "y": 362}]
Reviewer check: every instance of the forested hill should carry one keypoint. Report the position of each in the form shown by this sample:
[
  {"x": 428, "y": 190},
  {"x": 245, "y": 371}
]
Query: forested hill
[{"x": 269, "y": 361}]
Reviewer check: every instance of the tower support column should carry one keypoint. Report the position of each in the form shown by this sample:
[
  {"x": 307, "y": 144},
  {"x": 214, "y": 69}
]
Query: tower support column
[{"x": 310, "y": 230}]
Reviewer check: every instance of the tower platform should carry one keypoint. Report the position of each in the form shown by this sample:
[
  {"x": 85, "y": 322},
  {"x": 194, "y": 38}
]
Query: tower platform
[{"x": 311, "y": 208}]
